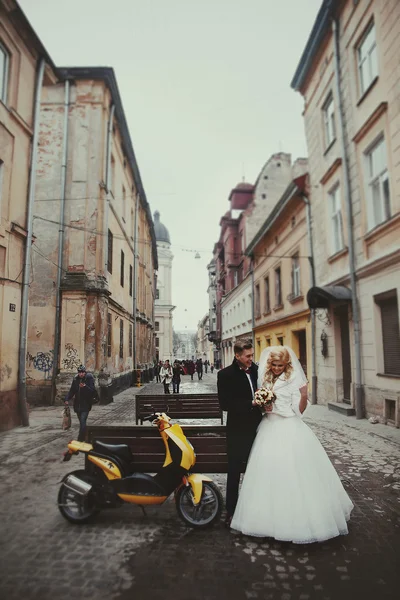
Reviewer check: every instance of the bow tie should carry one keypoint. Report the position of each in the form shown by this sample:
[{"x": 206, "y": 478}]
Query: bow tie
[{"x": 247, "y": 371}]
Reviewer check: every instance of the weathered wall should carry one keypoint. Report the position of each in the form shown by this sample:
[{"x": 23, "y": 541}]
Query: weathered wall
[{"x": 377, "y": 252}]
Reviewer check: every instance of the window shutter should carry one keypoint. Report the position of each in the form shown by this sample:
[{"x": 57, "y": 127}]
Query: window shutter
[{"x": 390, "y": 336}]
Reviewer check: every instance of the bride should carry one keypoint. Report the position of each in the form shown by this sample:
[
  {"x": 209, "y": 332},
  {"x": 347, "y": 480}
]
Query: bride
[{"x": 290, "y": 490}]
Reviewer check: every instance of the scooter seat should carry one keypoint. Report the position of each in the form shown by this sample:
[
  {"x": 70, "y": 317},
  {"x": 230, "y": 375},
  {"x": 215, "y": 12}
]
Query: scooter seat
[{"x": 121, "y": 450}]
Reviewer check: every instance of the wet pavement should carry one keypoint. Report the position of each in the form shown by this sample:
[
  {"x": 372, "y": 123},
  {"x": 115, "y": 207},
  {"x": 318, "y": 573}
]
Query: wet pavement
[{"x": 124, "y": 555}]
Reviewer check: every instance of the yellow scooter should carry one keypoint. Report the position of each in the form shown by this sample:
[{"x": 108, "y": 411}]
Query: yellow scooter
[{"x": 109, "y": 480}]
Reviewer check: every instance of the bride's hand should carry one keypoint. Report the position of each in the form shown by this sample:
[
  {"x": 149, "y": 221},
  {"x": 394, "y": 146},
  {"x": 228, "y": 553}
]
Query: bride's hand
[{"x": 304, "y": 390}]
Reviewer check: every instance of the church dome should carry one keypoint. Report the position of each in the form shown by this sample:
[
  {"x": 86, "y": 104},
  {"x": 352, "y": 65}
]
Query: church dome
[{"x": 161, "y": 232}]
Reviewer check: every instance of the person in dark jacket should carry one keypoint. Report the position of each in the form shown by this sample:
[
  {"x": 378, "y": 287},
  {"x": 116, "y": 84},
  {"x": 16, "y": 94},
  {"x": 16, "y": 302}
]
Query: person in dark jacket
[
  {"x": 199, "y": 368},
  {"x": 84, "y": 393},
  {"x": 177, "y": 371},
  {"x": 236, "y": 386},
  {"x": 191, "y": 368}
]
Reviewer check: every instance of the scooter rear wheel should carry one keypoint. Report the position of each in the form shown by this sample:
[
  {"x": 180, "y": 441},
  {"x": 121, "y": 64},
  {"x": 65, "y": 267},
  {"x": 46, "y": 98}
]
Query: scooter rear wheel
[
  {"x": 74, "y": 507},
  {"x": 206, "y": 512}
]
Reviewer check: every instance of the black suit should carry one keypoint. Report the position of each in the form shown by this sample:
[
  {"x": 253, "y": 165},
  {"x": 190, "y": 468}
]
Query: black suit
[{"x": 235, "y": 397}]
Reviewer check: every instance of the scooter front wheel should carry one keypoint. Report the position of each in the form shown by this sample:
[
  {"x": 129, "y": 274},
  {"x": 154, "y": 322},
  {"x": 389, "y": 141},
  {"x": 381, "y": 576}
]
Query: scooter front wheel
[
  {"x": 74, "y": 506},
  {"x": 206, "y": 512}
]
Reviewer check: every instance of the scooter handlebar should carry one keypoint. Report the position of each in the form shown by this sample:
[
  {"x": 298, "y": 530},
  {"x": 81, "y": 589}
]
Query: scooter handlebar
[{"x": 153, "y": 416}]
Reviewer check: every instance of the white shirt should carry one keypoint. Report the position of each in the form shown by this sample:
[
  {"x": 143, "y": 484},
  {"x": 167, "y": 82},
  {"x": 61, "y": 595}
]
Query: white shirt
[{"x": 250, "y": 382}]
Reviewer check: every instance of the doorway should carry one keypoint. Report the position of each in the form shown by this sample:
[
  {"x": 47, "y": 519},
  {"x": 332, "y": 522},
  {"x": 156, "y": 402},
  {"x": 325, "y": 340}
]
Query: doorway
[{"x": 343, "y": 319}]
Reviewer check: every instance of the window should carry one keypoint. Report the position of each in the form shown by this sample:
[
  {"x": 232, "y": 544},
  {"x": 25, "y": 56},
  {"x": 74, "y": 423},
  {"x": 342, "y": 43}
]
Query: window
[
  {"x": 110, "y": 251},
  {"x": 157, "y": 294},
  {"x": 295, "y": 276},
  {"x": 336, "y": 220},
  {"x": 390, "y": 332},
  {"x": 367, "y": 59},
  {"x": 121, "y": 339},
  {"x": 257, "y": 301},
  {"x": 109, "y": 334},
  {"x": 278, "y": 287},
  {"x": 329, "y": 121},
  {"x": 158, "y": 344},
  {"x": 280, "y": 341},
  {"x": 121, "y": 277},
  {"x": 267, "y": 296},
  {"x": 4, "y": 60},
  {"x": 130, "y": 280},
  {"x": 130, "y": 338},
  {"x": 157, "y": 326},
  {"x": 378, "y": 192}
]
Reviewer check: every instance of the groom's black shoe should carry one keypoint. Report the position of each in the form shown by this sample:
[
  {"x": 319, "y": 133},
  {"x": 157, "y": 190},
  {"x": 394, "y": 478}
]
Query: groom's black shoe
[{"x": 228, "y": 520}]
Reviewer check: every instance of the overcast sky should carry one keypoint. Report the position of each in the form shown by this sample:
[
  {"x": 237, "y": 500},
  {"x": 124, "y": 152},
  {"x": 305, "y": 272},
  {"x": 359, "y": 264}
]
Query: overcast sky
[{"x": 205, "y": 86}]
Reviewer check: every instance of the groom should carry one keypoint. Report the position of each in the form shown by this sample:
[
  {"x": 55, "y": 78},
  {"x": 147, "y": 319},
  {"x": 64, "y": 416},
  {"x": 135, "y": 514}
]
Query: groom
[{"x": 236, "y": 386}]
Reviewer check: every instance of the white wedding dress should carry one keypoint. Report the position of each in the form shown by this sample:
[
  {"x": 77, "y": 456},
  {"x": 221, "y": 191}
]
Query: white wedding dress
[{"x": 290, "y": 490}]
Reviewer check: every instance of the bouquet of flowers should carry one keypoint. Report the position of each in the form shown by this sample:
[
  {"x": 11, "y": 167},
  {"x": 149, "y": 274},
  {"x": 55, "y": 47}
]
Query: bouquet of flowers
[{"x": 264, "y": 398}]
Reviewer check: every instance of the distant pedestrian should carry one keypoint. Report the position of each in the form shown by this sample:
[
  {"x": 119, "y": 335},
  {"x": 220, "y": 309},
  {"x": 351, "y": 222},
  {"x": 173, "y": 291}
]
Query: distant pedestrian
[
  {"x": 191, "y": 368},
  {"x": 158, "y": 369},
  {"x": 176, "y": 377},
  {"x": 199, "y": 368},
  {"x": 205, "y": 366},
  {"x": 212, "y": 368},
  {"x": 83, "y": 393},
  {"x": 166, "y": 376}
]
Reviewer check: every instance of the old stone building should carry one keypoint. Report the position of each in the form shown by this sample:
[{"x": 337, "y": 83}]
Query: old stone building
[
  {"x": 24, "y": 66},
  {"x": 163, "y": 303},
  {"x": 281, "y": 261},
  {"x": 350, "y": 80},
  {"x": 94, "y": 256}
]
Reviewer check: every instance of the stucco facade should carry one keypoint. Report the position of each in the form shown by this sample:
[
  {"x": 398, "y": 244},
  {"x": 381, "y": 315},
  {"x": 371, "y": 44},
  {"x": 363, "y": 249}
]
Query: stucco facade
[
  {"x": 354, "y": 177},
  {"x": 105, "y": 215},
  {"x": 282, "y": 275},
  {"x": 236, "y": 309},
  {"x": 163, "y": 303},
  {"x": 20, "y": 53}
]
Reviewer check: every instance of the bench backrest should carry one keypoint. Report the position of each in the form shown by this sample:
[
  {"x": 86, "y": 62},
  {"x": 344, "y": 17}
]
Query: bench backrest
[
  {"x": 180, "y": 406},
  {"x": 148, "y": 451}
]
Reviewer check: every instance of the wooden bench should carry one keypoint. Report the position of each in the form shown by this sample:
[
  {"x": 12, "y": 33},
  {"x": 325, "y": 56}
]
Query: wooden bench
[
  {"x": 209, "y": 443},
  {"x": 179, "y": 406}
]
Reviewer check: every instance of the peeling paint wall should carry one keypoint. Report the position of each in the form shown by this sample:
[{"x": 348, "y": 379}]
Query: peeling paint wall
[
  {"x": 16, "y": 129},
  {"x": 89, "y": 291}
]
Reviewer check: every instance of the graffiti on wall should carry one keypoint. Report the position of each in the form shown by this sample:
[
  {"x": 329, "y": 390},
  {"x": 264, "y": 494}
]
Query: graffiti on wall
[
  {"x": 71, "y": 360},
  {"x": 42, "y": 361}
]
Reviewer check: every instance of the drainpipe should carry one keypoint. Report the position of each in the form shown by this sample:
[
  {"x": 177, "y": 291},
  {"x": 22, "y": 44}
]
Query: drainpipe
[
  {"x": 313, "y": 320},
  {"x": 107, "y": 182},
  {"x": 134, "y": 278},
  {"x": 253, "y": 322},
  {"x": 347, "y": 196},
  {"x": 61, "y": 235},
  {"x": 28, "y": 251}
]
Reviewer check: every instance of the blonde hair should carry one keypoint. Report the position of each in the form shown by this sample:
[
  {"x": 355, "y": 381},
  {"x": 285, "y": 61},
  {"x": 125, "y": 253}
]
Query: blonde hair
[{"x": 281, "y": 354}]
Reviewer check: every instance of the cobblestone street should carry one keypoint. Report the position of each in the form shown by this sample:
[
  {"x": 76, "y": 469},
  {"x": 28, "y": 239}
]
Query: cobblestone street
[{"x": 124, "y": 555}]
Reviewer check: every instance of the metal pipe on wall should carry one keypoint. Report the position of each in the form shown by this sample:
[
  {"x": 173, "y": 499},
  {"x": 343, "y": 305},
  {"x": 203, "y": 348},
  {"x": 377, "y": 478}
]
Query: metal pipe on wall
[
  {"x": 314, "y": 379},
  {"x": 359, "y": 401},
  {"x": 107, "y": 183},
  {"x": 137, "y": 200},
  {"x": 253, "y": 320},
  {"x": 28, "y": 251},
  {"x": 61, "y": 232}
]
